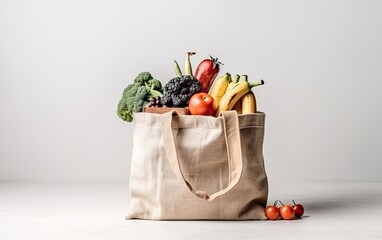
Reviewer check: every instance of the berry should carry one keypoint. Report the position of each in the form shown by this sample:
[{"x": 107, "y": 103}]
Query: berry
[{"x": 155, "y": 102}]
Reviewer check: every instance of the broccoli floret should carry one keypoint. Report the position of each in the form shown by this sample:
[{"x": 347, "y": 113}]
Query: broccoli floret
[
  {"x": 130, "y": 90},
  {"x": 125, "y": 107},
  {"x": 178, "y": 91},
  {"x": 143, "y": 78},
  {"x": 136, "y": 95},
  {"x": 155, "y": 84},
  {"x": 139, "y": 99}
]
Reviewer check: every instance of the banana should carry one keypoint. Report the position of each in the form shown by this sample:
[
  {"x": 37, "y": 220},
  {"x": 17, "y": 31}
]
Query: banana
[
  {"x": 243, "y": 78},
  {"x": 238, "y": 106},
  {"x": 231, "y": 97},
  {"x": 219, "y": 87},
  {"x": 248, "y": 103},
  {"x": 231, "y": 84}
]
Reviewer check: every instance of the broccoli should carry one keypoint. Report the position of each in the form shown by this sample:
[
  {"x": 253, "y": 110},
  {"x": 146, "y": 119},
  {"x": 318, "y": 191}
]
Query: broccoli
[
  {"x": 143, "y": 77},
  {"x": 155, "y": 84},
  {"x": 139, "y": 99},
  {"x": 125, "y": 107},
  {"x": 130, "y": 91},
  {"x": 137, "y": 95},
  {"x": 178, "y": 91}
]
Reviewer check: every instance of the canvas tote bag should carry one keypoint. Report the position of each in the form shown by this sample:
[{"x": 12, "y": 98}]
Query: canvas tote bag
[{"x": 198, "y": 167}]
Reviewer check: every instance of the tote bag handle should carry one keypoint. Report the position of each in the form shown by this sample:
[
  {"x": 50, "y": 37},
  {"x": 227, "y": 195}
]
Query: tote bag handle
[{"x": 232, "y": 138}]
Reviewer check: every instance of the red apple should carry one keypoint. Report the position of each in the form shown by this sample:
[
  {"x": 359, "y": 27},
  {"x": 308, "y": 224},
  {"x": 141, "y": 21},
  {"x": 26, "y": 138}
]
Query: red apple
[{"x": 201, "y": 104}]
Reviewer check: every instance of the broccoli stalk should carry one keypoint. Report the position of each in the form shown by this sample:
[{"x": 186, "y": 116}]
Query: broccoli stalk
[{"x": 151, "y": 92}]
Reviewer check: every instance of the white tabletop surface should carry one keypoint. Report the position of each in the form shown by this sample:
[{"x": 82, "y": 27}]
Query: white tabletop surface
[{"x": 96, "y": 211}]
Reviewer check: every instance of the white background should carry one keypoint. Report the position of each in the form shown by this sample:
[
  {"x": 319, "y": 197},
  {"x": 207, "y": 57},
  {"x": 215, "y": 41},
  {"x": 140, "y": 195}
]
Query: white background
[{"x": 64, "y": 65}]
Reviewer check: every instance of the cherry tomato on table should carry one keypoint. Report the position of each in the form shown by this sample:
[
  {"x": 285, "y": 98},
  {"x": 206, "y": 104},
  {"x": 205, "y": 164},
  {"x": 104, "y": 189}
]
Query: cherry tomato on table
[
  {"x": 298, "y": 209},
  {"x": 286, "y": 211},
  {"x": 272, "y": 212}
]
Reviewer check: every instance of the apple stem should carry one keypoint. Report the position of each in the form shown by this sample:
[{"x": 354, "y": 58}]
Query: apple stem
[
  {"x": 293, "y": 202},
  {"x": 275, "y": 204},
  {"x": 281, "y": 203}
]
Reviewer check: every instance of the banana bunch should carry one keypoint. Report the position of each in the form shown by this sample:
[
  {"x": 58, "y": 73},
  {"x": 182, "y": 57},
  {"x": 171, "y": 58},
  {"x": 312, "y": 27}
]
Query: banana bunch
[{"x": 234, "y": 94}]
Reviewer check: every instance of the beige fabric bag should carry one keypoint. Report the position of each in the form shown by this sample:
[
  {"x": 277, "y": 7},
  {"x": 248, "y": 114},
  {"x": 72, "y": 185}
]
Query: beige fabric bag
[{"x": 197, "y": 167}]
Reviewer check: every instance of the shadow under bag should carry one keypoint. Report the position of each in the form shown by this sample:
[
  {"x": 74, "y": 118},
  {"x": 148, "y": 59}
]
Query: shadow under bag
[{"x": 198, "y": 167}]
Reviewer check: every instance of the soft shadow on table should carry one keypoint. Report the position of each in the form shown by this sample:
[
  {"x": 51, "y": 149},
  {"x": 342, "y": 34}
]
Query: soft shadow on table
[{"x": 342, "y": 201}]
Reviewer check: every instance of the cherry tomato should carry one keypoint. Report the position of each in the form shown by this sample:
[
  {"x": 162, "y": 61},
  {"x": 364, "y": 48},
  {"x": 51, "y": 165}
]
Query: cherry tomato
[
  {"x": 286, "y": 211},
  {"x": 272, "y": 212},
  {"x": 298, "y": 209}
]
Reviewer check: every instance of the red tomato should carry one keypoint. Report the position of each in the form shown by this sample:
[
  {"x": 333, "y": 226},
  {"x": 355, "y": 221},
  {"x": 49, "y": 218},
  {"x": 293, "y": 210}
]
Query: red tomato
[
  {"x": 272, "y": 212},
  {"x": 287, "y": 212},
  {"x": 201, "y": 104},
  {"x": 298, "y": 209},
  {"x": 207, "y": 71}
]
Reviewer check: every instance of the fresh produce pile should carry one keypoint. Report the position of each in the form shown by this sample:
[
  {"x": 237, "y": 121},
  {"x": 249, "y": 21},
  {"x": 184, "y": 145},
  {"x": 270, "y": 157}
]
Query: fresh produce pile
[
  {"x": 201, "y": 93},
  {"x": 286, "y": 212}
]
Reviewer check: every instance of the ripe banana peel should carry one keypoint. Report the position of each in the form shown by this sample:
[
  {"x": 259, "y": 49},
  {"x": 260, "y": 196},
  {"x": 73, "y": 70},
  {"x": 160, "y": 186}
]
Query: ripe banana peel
[
  {"x": 219, "y": 87},
  {"x": 248, "y": 102},
  {"x": 238, "y": 90},
  {"x": 238, "y": 107},
  {"x": 234, "y": 81}
]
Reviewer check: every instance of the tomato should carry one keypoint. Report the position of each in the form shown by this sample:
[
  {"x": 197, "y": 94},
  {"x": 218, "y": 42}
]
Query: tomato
[
  {"x": 287, "y": 212},
  {"x": 201, "y": 104},
  {"x": 207, "y": 71},
  {"x": 298, "y": 209},
  {"x": 272, "y": 212}
]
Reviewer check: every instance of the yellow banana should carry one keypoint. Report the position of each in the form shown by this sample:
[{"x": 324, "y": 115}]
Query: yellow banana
[
  {"x": 231, "y": 84},
  {"x": 231, "y": 97},
  {"x": 243, "y": 78},
  {"x": 219, "y": 87},
  {"x": 248, "y": 103},
  {"x": 238, "y": 106}
]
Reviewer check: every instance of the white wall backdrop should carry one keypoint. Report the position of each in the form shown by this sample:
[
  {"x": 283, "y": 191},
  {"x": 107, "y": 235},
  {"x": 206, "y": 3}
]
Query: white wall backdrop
[{"x": 64, "y": 65}]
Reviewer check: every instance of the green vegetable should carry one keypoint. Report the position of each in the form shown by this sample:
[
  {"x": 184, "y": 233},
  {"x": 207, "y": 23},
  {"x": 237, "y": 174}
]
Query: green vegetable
[
  {"x": 139, "y": 99},
  {"x": 143, "y": 77},
  {"x": 178, "y": 72},
  {"x": 187, "y": 64},
  {"x": 178, "y": 91},
  {"x": 138, "y": 94}
]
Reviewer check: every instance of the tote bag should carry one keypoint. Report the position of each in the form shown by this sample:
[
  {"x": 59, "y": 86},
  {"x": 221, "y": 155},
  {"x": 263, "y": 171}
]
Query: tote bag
[{"x": 198, "y": 167}]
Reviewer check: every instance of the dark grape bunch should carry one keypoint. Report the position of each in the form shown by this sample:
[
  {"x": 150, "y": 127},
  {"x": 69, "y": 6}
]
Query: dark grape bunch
[{"x": 155, "y": 102}]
